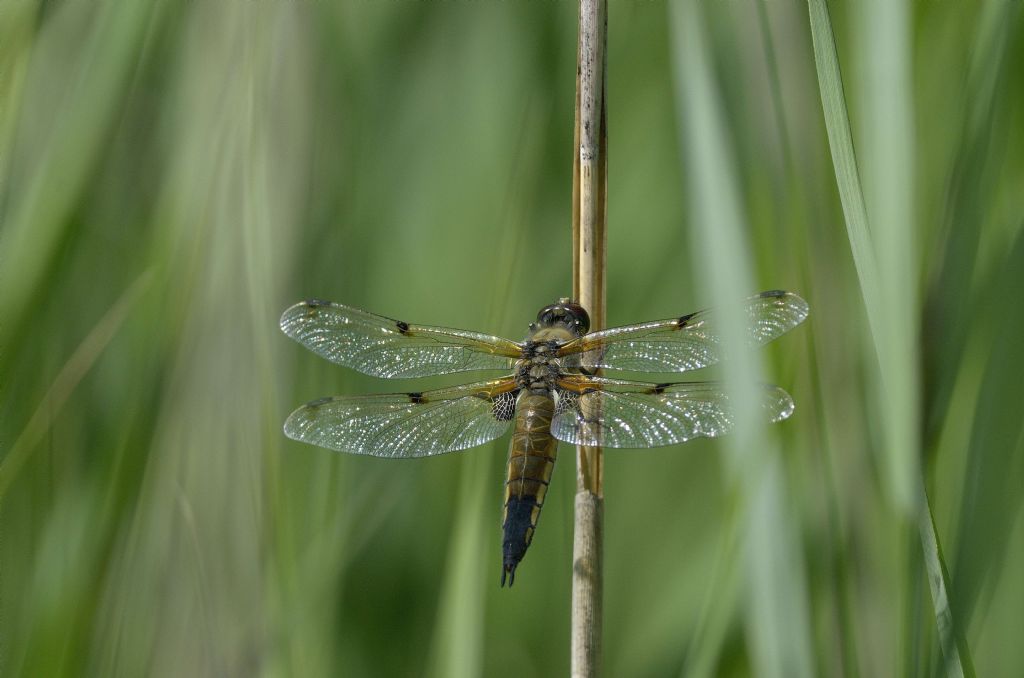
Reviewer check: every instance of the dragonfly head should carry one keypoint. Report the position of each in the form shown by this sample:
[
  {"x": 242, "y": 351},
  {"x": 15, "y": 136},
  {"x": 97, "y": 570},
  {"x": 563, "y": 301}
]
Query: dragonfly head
[{"x": 563, "y": 313}]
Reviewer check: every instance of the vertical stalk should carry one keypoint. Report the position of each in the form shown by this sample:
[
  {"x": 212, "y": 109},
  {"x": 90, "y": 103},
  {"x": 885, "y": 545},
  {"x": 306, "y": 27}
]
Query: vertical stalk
[{"x": 589, "y": 220}]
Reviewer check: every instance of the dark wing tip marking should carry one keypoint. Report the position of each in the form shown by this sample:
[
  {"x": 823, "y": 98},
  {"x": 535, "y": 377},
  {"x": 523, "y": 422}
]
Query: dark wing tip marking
[
  {"x": 681, "y": 323},
  {"x": 794, "y": 301},
  {"x": 416, "y": 397},
  {"x": 790, "y": 301},
  {"x": 402, "y": 326},
  {"x": 297, "y": 314},
  {"x": 659, "y": 388}
]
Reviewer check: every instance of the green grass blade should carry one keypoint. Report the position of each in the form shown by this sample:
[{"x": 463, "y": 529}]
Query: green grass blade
[
  {"x": 777, "y": 625},
  {"x": 60, "y": 148},
  {"x": 991, "y": 500},
  {"x": 77, "y": 366},
  {"x": 955, "y": 652},
  {"x": 888, "y": 330},
  {"x": 458, "y": 643},
  {"x": 844, "y": 160},
  {"x": 720, "y": 604},
  {"x": 887, "y": 263},
  {"x": 888, "y": 172}
]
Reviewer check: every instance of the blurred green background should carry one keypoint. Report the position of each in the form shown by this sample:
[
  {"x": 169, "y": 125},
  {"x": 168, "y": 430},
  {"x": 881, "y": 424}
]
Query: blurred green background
[{"x": 174, "y": 174}]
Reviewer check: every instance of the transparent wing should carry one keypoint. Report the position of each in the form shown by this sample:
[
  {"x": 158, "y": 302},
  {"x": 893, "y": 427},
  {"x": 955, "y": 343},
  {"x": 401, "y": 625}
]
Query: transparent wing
[
  {"x": 687, "y": 343},
  {"x": 404, "y": 425},
  {"x": 617, "y": 413},
  {"x": 384, "y": 347}
]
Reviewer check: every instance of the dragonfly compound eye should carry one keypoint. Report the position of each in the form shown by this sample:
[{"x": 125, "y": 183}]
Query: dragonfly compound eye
[
  {"x": 566, "y": 313},
  {"x": 576, "y": 317}
]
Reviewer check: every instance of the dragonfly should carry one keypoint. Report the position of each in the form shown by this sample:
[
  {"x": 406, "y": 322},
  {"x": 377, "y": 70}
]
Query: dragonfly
[{"x": 554, "y": 389}]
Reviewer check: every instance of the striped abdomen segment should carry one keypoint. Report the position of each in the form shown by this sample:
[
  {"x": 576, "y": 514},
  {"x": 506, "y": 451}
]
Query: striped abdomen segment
[{"x": 530, "y": 462}]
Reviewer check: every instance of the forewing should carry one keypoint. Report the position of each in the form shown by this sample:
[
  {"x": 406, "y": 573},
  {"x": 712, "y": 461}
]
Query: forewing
[
  {"x": 404, "y": 425},
  {"x": 616, "y": 413},
  {"x": 384, "y": 347},
  {"x": 686, "y": 343}
]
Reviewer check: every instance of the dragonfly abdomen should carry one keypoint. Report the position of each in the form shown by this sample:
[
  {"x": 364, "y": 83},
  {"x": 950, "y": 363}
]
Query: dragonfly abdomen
[{"x": 530, "y": 463}]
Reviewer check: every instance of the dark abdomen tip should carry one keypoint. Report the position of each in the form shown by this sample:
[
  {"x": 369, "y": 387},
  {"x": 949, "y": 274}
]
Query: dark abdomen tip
[{"x": 518, "y": 533}]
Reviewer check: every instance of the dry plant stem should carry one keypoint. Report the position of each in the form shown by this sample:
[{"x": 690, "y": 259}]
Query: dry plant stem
[
  {"x": 589, "y": 191},
  {"x": 590, "y": 173}
]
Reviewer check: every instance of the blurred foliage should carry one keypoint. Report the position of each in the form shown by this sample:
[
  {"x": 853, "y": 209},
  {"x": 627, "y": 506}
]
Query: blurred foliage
[{"x": 174, "y": 174}]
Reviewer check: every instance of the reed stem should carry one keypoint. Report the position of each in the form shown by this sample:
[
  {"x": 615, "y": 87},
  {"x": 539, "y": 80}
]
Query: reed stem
[{"x": 589, "y": 221}]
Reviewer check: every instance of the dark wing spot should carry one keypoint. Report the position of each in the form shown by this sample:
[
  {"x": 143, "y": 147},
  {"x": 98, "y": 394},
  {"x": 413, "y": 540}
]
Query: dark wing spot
[
  {"x": 402, "y": 326},
  {"x": 772, "y": 294},
  {"x": 417, "y": 398},
  {"x": 681, "y": 323},
  {"x": 659, "y": 388}
]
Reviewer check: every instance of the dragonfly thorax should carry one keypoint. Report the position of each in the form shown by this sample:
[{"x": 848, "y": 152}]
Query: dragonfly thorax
[{"x": 539, "y": 369}]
